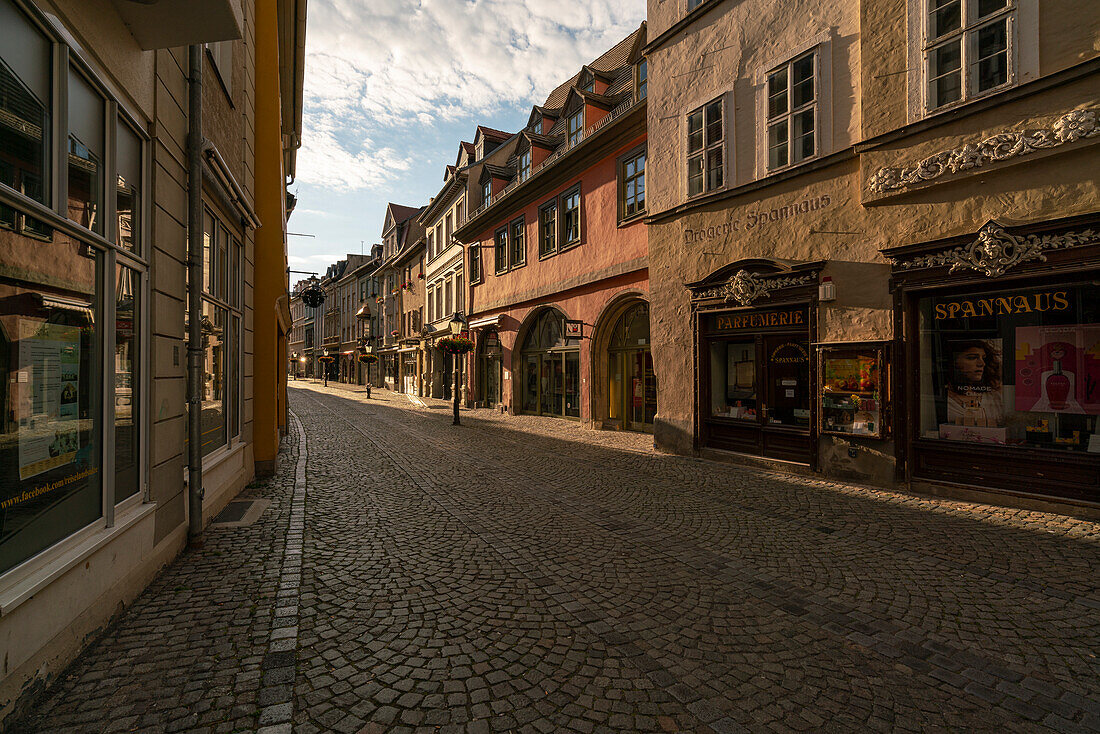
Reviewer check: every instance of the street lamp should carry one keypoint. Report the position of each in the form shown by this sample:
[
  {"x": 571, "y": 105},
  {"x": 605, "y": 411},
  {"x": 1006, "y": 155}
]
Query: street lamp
[
  {"x": 458, "y": 325},
  {"x": 324, "y": 360}
]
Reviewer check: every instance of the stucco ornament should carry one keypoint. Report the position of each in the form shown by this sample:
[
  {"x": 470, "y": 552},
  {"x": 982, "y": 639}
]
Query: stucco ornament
[
  {"x": 996, "y": 251},
  {"x": 745, "y": 287},
  {"x": 1069, "y": 128}
]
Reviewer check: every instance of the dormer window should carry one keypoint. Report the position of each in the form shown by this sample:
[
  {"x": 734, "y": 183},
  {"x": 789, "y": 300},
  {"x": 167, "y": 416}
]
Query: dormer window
[
  {"x": 588, "y": 85},
  {"x": 576, "y": 127},
  {"x": 524, "y": 165},
  {"x": 641, "y": 76},
  {"x": 486, "y": 191}
]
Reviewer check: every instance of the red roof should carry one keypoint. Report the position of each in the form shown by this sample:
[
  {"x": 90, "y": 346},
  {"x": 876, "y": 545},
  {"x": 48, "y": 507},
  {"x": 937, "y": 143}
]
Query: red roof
[{"x": 491, "y": 133}]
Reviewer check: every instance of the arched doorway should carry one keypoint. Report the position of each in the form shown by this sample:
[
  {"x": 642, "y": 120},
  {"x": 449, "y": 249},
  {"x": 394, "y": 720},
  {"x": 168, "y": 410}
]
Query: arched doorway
[
  {"x": 489, "y": 369},
  {"x": 550, "y": 368},
  {"x": 632, "y": 392}
]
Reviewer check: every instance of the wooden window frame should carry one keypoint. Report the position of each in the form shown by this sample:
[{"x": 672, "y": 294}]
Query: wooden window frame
[
  {"x": 555, "y": 206},
  {"x": 498, "y": 261},
  {"x": 562, "y": 244},
  {"x": 790, "y": 112},
  {"x": 519, "y": 223},
  {"x": 703, "y": 153},
  {"x": 631, "y": 155}
]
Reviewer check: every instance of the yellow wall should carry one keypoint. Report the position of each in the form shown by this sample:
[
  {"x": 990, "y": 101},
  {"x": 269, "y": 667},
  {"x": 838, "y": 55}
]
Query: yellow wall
[{"x": 270, "y": 340}]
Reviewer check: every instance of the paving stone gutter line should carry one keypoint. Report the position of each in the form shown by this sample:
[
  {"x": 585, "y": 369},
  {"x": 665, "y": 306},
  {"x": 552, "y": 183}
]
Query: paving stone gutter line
[{"x": 280, "y": 662}]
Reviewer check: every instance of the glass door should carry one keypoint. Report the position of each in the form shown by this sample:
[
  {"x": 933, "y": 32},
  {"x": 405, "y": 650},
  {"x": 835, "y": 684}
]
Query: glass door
[
  {"x": 531, "y": 383},
  {"x": 572, "y": 384},
  {"x": 787, "y": 365}
]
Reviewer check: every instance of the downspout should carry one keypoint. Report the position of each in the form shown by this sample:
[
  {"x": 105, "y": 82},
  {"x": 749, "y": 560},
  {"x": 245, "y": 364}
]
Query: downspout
[{"x": 194, "y": 296}]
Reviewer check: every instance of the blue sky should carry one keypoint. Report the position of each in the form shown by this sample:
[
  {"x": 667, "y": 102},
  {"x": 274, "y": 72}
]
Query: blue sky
[{"x": 392, "y": 86}]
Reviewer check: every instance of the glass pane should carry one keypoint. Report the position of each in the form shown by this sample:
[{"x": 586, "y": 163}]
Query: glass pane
[
  {"x": 714, "y": 123},
  {"x": 615, "y": 386},
  {"x": 985, "y": 7},
  {"x": 992, "y": 43},
  {"x": 943, "y": 71},
  {"x": 946, "y": 17},
  {"x": 213, "y": 380},
  {"x": 733, "y": 379},
  {"x": 695, "y": 131},
  {"x": 519, "y": 244},
  {"x": 85, "y": 159},
  {"x": 127, "y": 382},
  {"x": 1013, "y": 367},
  {"x": 650, "y": 390},
  {"x": 207, "y": 253},
  {"x": 531, "y": 383},
  {"x": 851, "y": 398},
  {"x": 804, "y": 135},
  {"x": 127, "y": 185},
  {"x": 50, "y": 394},
  {"x": 777, "y": 145},
  {"x": 637, "y": 386},
  {"x": 572, "y": 222},
  {"x": 233, "y": 392},
  {"x": 714, "y": 168},
  {"x": 788, "y": 368},
  {"x": 802, "y": 72},
  {"x": 221, "y": 264},
  {"x": 777, "y": 93},
  {"x": 24, "y": 104},
  {"x": 695, "y": 175},
  {"x": 572, "y": 384}
]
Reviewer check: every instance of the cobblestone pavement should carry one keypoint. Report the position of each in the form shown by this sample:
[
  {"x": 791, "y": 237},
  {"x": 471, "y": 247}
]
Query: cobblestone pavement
[{"x": 523, "y": 574}]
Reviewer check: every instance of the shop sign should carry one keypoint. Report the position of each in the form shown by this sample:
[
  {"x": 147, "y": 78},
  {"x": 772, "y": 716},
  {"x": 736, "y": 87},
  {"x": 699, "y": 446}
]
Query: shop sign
[
  {"x": 574, "y": 329},
  {"x": 752, "y": 219},
  {"x": 1003, "y": 305},
  {"x": 758, "y": 320}
]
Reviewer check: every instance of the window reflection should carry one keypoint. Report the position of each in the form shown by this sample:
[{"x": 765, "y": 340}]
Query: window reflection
[{"x": 127, "y": 383}]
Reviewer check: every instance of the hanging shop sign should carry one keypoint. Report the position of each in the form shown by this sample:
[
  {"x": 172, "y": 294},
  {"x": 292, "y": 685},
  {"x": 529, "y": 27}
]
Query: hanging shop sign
[{"x": 574, "y": 329}]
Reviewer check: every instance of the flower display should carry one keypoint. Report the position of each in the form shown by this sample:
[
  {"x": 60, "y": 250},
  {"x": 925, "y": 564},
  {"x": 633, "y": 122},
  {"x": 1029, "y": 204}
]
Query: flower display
[
  {"x": 368, "y": 358},
  {"x": 455, "y": 344}
]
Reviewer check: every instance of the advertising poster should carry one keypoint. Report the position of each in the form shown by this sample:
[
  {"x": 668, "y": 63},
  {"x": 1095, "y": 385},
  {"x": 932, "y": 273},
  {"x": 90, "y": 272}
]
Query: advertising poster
[
  {"x": 1058, "y": 369},
  {"x": 975, "y": 399},
  {"x": 49, "y": 425}
]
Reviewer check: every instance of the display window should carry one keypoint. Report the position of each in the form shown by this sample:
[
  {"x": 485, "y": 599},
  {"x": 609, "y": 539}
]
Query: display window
[
  {"x": 854, "y": 389},
  {"x": 1012, "y": 367}
]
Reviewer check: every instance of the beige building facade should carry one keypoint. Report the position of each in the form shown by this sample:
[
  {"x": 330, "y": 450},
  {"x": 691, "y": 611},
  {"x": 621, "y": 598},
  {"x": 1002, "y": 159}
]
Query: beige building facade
[{"x": 872, "y": 240}]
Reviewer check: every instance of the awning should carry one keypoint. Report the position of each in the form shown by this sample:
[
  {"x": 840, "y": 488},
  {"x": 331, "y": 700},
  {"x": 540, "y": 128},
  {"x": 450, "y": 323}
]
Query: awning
[
  {"x": 350, "y": 351},
  {"x": 481, "y": 323},
  {"x": 407, "y": 349},
  {"x": 81, "y": 308},
  {"x": 363, "y": 313}
]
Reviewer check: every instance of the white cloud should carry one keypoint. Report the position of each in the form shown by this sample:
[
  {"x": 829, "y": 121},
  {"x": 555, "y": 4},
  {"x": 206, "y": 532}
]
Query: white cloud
[{"x": 387, "y": 69}]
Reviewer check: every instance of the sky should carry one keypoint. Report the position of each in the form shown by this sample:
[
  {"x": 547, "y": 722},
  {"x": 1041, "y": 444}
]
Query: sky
[{"x": 392, "y": 86}]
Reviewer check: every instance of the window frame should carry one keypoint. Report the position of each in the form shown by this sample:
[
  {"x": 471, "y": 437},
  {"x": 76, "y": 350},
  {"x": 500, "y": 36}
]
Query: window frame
[
  {"x": 574, "y": 137},
  {"x": 631, "y": 155},
  {"x": 563, "y": 245},
  {"x": 523, "y": 167},
  {"x": 554, "y": 205},
  {"x": 791, "y": 111},
  {"x": 498, "y": 248},
  {"x": 475, "y": 264},
  {"x": 704, "y": 152},
  {"x": 965, "y": 35},
  {"x": 517, "y": 225}
]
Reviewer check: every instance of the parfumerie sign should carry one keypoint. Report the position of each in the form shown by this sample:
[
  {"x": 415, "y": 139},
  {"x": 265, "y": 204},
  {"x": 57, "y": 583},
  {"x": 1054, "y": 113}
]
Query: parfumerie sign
[
  {"x": 757, "y": 219},
  {"x": 757, "y": 320}
]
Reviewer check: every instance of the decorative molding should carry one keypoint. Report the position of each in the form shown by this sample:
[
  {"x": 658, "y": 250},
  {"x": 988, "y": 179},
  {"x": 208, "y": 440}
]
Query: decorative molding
[
  {"x": 996, "y": 250},
  {"x": 745, "y": 287},
  {"x": 1069, "y": 128}
]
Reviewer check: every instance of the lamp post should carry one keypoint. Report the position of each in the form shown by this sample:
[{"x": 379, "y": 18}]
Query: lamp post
[
  {"x": 301, "y": 366},
  {"x": 324, "y": 361},
  {"x": 458, "y": 325}
]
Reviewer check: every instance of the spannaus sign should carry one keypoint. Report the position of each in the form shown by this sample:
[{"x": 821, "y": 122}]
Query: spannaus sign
[
  {"x": 1003, "y": 305},
  {"x": 757, "y": 219}
]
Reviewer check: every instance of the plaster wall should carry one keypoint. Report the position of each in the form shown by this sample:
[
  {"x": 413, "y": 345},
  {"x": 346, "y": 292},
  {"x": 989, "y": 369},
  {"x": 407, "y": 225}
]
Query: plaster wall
[{"x": 607, "y": 248}]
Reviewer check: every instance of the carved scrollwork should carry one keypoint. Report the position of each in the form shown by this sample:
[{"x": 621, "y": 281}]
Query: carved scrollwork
[
  {"x": 745, "y": 287},
  {"x": 1069, "y": 128},
  {"x": 996, "y": 251}
]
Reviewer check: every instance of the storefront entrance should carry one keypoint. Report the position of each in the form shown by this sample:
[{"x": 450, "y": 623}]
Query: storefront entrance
[
  {"x": 756, "y": 382},
  {"x": 551, "y": 369},
  {"x": 632, "y": 391},
  {"x": 489, "y": 369}
]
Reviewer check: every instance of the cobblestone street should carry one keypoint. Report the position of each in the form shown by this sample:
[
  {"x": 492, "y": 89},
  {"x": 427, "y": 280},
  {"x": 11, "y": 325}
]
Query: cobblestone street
[{"x": 524, "y": 574}]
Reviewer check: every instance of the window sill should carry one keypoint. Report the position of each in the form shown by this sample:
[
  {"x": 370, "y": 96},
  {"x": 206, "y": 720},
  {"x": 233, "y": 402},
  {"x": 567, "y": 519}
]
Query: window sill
[
  {"x": 569, "y": 246},
  {"x": 35, "y": 574},
  {"x": 548, "y": 255},
  {"x": 632, "y": 218}
]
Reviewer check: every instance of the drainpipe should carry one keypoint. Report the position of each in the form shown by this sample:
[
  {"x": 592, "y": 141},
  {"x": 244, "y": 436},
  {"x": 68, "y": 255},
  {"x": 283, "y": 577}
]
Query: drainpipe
[{"x": 194, "y": 296}]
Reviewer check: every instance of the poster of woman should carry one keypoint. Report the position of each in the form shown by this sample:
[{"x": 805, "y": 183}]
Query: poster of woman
[{"x": 974, "y": 393}]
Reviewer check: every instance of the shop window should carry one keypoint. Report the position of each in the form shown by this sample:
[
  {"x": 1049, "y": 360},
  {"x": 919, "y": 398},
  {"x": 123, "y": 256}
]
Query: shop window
[
  {"x": 792, "y": 112},
  {"x": 733, "y": 379},
  {"x": 25, "y": 104},
  {"x": 548, "y": 229},
  {"x": 127, "y": 379},
  {"x": 127, "y": 186},
  {"x": 51, "y": 388},
  {"x": 519, "y": 243},
  {"x": 853, "y": 390},
  {"x": 632, "y": 184},
  {"x": 85, "y": 153},
  {"x": 705, "y": 148},
  {"x": 1013, "y": 367}
]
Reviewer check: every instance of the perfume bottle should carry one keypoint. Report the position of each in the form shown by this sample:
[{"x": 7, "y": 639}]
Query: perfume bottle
[{"x": 1057, "y": 386}]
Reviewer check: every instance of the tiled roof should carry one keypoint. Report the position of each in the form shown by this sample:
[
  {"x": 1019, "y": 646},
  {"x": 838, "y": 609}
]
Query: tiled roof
[
  {"x": 491, "y": 133},
  {"x": 403, "y": 213},
  {"x": 607, "y": 63}
]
